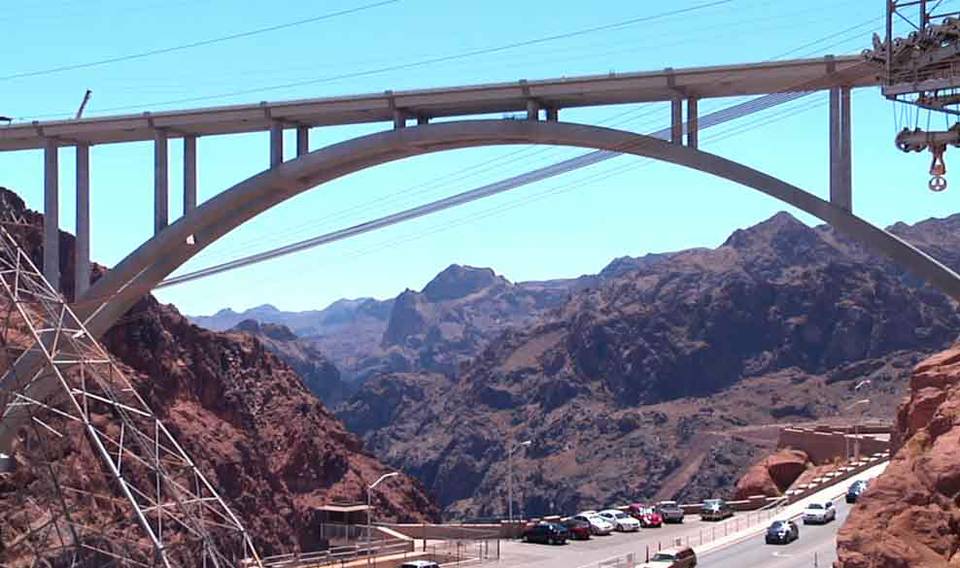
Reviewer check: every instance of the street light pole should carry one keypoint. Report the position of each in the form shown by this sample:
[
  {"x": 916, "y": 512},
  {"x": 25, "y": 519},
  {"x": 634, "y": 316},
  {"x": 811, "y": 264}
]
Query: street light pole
[
  {"x": 510, "y": 479},
  {"x": 856, "y": 426},
  {"x": 370, "y": 507}
]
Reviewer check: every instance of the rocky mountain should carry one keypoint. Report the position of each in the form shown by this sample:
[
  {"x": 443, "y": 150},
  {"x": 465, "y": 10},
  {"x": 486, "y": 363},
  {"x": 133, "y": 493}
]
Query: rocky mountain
[
  {"x": 349, "y": 332},
  {"x": 909, "y": 515},
  {"x": 319, "y": 375},
  {"x": 434, "y": 330},
  {"x": 270, "y": 447},
  {"x": 659, "y": 369}
]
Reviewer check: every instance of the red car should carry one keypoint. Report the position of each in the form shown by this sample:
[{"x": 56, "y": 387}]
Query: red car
[
  {"x": 646, "y": 514},
  {"x": 579, "y": 530}
]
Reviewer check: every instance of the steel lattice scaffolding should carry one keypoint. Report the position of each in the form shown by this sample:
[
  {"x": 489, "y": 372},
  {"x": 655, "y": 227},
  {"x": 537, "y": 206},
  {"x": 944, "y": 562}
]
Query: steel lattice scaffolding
[{"x": 100, "y": 481}]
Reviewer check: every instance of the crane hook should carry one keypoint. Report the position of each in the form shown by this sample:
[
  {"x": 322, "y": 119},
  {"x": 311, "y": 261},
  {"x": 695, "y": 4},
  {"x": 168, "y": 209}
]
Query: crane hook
[{"x": 938, "y": 168}]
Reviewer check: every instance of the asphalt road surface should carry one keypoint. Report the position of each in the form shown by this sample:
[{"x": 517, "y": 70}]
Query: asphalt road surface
[
  {"x": 815, "y": 547},
  {"x": 577, "y": 554}
]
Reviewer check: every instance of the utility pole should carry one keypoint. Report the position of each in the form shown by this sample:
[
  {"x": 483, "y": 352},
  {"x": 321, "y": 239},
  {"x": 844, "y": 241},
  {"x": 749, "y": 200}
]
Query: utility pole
[
  {"x": 83, "y": 105},
  {"x": 510, "y": 479},
  {"x": 370, "y": 508}
]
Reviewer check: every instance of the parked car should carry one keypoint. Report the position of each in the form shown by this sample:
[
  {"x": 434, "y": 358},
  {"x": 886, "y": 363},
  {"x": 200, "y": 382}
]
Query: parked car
[
  {"x": 420, "y": 564},
  {"x": 820, "y": 513},
  {"x": 578, "y": 529},
  {"x": 620, "y": 520},
  {"x": 782, "y": 532},
  {"x": 598, "y": 525},
  {"x": 670, "y": 511},
  {"x": 646, "y": 514},
  {"x": 715, "y": 510},
  {"x": 680, "y": 557},
  {"x": 546, "y": 533},
  {"x": 855, "y": 490}
]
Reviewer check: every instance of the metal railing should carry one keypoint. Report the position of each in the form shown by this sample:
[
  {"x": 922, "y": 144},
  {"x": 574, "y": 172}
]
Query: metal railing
[{"x": 339, "y": 555}]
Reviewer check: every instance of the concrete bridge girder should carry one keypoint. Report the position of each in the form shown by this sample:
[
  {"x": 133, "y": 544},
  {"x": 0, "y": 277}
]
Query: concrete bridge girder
[{"x": 117, "y": 291}]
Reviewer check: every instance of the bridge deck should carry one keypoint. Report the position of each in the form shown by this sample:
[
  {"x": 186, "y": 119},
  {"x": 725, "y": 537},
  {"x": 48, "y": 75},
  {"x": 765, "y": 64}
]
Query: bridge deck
[{"x": 566, "y": 92}]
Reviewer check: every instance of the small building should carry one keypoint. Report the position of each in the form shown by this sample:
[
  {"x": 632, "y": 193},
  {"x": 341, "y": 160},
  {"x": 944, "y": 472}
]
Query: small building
[{"x": 342, "y": 523}]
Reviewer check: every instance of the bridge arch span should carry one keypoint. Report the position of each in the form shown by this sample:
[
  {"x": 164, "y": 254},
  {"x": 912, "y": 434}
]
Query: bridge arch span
[
  {"x": 153, "y": 261},
  {"x": 113, "y": 294}
]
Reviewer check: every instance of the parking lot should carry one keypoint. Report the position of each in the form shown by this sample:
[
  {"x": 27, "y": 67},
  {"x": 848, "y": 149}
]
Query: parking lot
[
  {"x": 693, "y": 531},
  {"x": 737, "y": 541}
]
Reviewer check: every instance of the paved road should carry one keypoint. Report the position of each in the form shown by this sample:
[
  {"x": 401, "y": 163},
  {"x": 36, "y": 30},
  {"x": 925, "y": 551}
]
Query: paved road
[
  {"x": 816, "y": 547},
  {"x": 599, "y": 548},
  {"x": 737, "y": 542}
]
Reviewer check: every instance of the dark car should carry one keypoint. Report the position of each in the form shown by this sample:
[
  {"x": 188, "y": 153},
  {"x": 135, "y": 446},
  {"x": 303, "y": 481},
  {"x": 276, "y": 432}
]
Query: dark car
[
  {"x": 855, "y": 490},
  {"x": 546, "y": 533},
  {"x": 715, "y": 510},
  {"x": 782, "y": 532},
  {"x": 670, "y": 511},
  {"x": 577, "y": 529}
]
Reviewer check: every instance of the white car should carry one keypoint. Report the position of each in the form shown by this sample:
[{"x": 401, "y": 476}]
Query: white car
[
  {"x": 620, "y": 520},
  {"x": 819, "y": 512},
  {"x": 598, "y": 525}
]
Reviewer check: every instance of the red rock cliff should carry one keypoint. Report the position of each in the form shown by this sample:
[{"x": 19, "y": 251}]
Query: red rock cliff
[
  {"x": 270, "y": 447},
  {"x": 910, "y": 516}
]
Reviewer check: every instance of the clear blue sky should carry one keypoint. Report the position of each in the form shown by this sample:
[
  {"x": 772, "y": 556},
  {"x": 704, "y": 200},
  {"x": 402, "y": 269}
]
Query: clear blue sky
[{"x": 564, "y": 227}]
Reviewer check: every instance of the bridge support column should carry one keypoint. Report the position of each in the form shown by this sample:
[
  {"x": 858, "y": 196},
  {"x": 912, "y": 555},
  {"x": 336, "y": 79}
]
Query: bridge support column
[
  {"x": 303, "y": 140},
  {"x": 423, "y": 120},
  {"x": 81, "y": 250},
  {"x": 399, "y": 119},
  {"x": 841, "y": 187},
  {"x": 276, "y": 143},
  {"x": 676, "y": 121},
  {"x": 846, "y": 150},
  {"x": 553, "y": 114},
  {"x": 161, "y": 214},
  {"x": 189, "y": 174},
  {"x": 533, "y": 110},
  {"x": 693, "y": 123},
  {"x": 51, "y": 213}
]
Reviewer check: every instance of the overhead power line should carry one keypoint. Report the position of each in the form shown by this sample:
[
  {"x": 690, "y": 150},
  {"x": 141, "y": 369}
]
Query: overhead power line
[
  {"x": 182, "y": 47},
  {"x": 440, "y": 59},
  {"x": 584, "y": 160},
  {"x": 553, "y": 170}
]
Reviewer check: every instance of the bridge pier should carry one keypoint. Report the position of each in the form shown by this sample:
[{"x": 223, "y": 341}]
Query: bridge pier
[
  {"x": 51, "y": 212},
  {"x": 533, "y": 110},
  {"x": 841, "y": 157},
  {"x": 189, "y": 173},
  {"x": 81, "y": 250},
  {"x": 693, "y": 123},
  {"x": 161, "y": 213},
  {"x": 676, "y": 120},
  {"x": 276, "y": 143},
  {"x": 303, "y": 140}
]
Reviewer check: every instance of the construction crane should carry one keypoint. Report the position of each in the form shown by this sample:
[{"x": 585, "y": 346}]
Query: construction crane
[{"x": 921, "y": 69}]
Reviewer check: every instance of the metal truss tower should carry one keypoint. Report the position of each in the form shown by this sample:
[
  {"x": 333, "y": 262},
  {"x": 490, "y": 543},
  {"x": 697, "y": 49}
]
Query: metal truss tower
[
  {"x": 97, "y": 479},
  {"x": 920, "y": 57}
]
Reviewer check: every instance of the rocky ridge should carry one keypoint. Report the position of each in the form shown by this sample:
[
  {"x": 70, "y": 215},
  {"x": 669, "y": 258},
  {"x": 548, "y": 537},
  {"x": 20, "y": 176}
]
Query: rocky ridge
[
  {"x": 658, "y": 366},
  {"x": 272, "y": 449},
  {"x": 910, "y": 516}
]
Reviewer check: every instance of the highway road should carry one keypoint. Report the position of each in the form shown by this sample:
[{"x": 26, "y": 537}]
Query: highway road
[
  {"x": 576, "y": 554},
  {"x": 736, "y": 542},
  {"x": 815, "y": 547}
]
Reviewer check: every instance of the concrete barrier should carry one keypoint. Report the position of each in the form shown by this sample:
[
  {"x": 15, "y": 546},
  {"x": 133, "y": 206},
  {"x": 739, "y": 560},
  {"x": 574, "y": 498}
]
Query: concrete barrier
[{"x": 825, "y": 447}]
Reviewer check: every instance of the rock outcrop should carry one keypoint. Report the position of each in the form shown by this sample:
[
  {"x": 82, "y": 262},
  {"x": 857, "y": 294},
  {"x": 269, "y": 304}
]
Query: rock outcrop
[
  {"x": 270, "y": 447},
  {"x": 642, "y": 368},
  {"x": 773, "y": 474},
  {"x": 318, "y": 373},
  {"x": 910, "y": 515}
]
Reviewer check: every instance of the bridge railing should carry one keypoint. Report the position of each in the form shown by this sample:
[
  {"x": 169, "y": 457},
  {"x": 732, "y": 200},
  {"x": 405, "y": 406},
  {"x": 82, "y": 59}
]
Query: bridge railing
[{"x": 339, "y": 555}]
